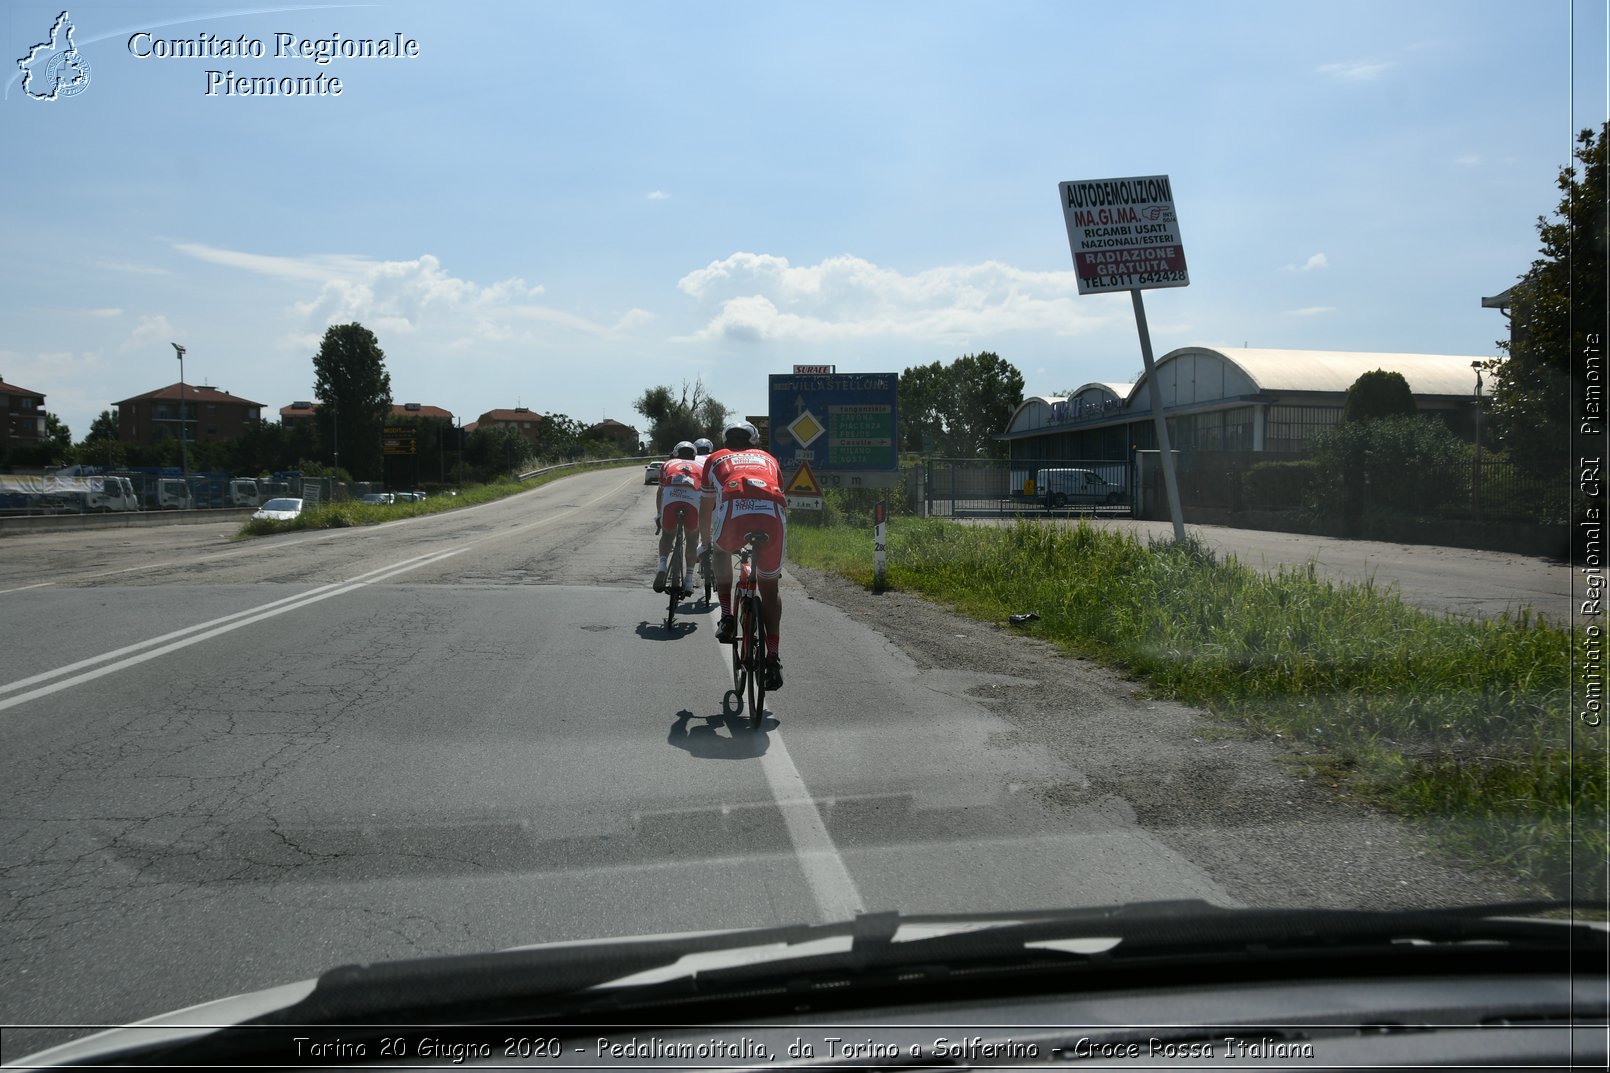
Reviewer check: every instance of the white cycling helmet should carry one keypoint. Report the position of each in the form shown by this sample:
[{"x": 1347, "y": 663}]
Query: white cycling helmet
[
  {"x": 740, "y": 434},
  {"x": 703, "y": 446},
  {"x": 683, "y": 450}
]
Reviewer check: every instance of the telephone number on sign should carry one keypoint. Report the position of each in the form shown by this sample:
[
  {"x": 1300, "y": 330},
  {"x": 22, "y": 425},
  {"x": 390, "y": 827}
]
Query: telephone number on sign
[{"x": 1161, "y": 277}]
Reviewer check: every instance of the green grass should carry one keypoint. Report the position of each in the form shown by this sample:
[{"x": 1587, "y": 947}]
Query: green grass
[
  {"x": 349, "y": 512},
  {"x": 1465, "y": 725}
]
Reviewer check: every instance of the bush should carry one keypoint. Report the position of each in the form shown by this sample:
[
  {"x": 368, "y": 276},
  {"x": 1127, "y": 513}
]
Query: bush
[{"x": 1280, "y": 485}]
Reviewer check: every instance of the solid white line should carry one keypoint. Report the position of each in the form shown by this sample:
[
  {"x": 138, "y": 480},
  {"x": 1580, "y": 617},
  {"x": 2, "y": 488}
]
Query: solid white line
[
  {"x": 258, "y": 615},
  {"x": 25, "y": 588},
  {"x": 836, "y": 895},
  {"x": 23, "y": 683}
]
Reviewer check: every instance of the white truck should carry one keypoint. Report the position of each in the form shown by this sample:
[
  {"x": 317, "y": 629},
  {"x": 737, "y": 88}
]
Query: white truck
[{"x": 245, "y": 492}]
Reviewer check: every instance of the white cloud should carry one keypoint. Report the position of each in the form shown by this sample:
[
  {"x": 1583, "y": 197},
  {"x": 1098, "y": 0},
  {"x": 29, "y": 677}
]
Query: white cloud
[
  {"x": 149, "y": 331},
  {"x": 754, "y": 296},
  {"x": 405, "y": 297},
  {"x": 1357, "y": 71},
  {"x": 659, "y": 195},
  {"x": 1318, "y": 260}
]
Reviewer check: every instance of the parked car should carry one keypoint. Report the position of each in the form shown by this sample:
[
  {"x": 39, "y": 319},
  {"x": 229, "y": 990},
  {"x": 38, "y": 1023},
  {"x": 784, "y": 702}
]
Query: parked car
[
  {"x": 1062, "y": 487},
  {"x": 651, "y": 473},
  {"x": 278, "y": 510},
  {"x": 410, "y": 497},
  {"x": 378, "y": 499}
]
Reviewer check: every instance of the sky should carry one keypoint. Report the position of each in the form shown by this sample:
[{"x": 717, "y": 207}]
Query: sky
[{"x": 560, "y": 205}]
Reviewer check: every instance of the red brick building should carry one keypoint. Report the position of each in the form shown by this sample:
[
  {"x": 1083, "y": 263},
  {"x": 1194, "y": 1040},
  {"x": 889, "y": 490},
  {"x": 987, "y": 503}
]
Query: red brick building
[
  {"x": 22, "y": 414},
  {"x": 208, "y": 414}
]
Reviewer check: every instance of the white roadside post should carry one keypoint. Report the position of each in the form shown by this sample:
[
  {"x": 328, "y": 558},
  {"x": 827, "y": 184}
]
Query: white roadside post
[
  {"x": 880, "y": 543},
  {"x": 1125, "y": 237}
]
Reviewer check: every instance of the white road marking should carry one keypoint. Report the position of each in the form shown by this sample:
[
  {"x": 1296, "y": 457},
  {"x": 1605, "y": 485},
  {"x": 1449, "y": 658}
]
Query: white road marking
[
  {"x": 178, "y": 639},
  {"x": 254, "y": 616},
  {"x": 837, "y": 897}
]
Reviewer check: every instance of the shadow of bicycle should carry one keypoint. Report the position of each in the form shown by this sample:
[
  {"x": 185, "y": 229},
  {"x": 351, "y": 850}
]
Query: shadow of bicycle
[
  {"x": 720, "y": 736},
  {"x": 656, "y": 631}
]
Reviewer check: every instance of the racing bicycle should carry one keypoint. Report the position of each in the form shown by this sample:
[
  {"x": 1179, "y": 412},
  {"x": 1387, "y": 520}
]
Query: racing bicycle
[
  {"x": 749, "y": 640},
  {"x": 674, "y": 590}
]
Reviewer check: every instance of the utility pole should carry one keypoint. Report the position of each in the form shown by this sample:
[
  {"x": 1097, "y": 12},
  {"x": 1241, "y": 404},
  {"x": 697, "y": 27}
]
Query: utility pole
[{"x": 184, "y": 452}]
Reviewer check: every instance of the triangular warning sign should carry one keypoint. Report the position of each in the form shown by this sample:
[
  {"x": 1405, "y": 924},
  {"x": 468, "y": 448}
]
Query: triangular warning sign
[{"x": 803, "y": 482}]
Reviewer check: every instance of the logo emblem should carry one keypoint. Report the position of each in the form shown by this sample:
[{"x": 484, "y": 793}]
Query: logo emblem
[{"x": 53, "y": 69}]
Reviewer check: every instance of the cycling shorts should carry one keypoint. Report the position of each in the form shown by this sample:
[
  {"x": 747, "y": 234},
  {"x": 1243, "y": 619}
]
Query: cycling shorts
[
  {"x": 736, "y": 518},
  {"x": 675, "y": 500}
]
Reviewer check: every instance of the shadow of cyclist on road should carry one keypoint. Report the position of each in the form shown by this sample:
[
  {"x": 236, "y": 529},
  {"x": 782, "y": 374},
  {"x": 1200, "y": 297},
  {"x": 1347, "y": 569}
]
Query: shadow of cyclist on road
[
  {"x": 706, "y": 742},
  {"x": 656, "y": 631}
]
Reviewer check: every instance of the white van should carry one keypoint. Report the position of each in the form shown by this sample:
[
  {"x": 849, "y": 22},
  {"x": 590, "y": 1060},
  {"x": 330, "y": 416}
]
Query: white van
[{"x": 1076, "y": 487}]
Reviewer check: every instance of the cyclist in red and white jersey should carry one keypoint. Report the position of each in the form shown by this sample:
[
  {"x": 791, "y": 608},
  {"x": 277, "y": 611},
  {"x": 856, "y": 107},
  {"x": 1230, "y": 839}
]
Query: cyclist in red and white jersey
[
  {"x": 680, "y": 481},
  {"x": 701, "y": 454},
  {"x": 746, "y": 496}
]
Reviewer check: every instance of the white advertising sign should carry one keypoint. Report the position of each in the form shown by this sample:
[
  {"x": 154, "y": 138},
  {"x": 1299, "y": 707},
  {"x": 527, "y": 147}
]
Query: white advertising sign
[{"x": 1123, "y": 234}]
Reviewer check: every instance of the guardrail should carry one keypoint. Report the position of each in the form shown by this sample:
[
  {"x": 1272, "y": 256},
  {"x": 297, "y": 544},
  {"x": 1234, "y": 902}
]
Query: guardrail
[
  {"x": 645, "y": 459},
  {"x": 127, "y": 519}
]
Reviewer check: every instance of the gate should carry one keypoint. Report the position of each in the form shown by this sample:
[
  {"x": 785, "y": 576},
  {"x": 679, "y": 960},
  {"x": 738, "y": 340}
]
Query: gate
[{"x": 995, "y": 487}]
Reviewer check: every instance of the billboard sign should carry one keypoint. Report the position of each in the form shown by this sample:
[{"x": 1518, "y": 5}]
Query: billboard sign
[{"x": 1123, "y": 234}]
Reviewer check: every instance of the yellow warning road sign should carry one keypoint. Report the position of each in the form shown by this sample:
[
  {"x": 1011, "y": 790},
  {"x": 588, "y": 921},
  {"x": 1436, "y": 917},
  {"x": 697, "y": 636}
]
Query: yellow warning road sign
[{"x": 803, "y": 483}]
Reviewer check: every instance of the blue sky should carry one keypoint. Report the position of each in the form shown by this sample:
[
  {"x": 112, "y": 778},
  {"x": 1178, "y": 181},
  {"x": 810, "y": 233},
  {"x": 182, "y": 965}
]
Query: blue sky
[{"x": 560, "y": 205}]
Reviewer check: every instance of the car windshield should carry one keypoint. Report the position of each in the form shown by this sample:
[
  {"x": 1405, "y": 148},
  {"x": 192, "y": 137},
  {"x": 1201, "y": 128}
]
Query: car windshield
[{"x": 1179, "y": 471}]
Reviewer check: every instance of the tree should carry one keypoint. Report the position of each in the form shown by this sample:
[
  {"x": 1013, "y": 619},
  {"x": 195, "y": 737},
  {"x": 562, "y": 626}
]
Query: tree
[
  {"x": 354, "y": 391},
  {"x": 674, "y": 418},
  {"x": 1378, "y": 394},
  {"x": 957, "y": 410},
  {"x": 1557, "y": 312}
]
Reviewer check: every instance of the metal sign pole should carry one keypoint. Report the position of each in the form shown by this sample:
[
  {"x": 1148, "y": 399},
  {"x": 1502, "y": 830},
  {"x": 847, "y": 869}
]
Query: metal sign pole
[{"x": 1155, "y": 393}]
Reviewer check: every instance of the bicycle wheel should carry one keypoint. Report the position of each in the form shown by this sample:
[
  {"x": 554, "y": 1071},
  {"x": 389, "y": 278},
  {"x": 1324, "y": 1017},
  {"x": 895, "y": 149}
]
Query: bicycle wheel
[
  {"x": 673, "y": 579},
  {"x": 739, "y": 673},
  {"x": 755, "y": 643}
]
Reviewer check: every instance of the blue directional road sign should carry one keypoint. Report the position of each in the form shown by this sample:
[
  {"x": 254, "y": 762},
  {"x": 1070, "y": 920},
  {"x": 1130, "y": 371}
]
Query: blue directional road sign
[{"x": 844, "y": 424}]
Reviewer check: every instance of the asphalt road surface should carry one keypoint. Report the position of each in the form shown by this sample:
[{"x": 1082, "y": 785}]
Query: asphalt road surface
[{"x": 230, "y": 765}]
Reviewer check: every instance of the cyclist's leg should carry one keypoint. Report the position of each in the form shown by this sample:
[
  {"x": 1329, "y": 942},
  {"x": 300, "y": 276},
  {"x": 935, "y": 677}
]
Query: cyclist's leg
[
  {"x": 690, "y": 531},
  {"x": 667, "y": 534},
  {"x": 768, "y": 569}
]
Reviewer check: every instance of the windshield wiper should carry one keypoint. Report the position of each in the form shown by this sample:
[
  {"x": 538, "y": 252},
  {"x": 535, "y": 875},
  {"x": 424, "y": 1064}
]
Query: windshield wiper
[{"x": 879, "y": 956}]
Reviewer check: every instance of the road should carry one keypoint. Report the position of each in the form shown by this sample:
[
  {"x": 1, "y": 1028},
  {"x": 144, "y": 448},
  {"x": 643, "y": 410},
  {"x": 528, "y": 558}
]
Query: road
[{"x": 231, "y": 765}]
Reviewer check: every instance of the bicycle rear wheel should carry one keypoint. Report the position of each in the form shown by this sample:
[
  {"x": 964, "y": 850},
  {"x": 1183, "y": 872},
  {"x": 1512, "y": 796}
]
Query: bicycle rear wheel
[
  {"x": 740, "y": 676},
  {"x": 673, "y": 578},
  {"x": 754, "y": 635}
]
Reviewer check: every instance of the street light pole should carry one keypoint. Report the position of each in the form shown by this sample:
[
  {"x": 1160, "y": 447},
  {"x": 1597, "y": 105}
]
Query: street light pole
[
  {"x": 1475, "y": 476},
  {"x": 184, "y": 452}
]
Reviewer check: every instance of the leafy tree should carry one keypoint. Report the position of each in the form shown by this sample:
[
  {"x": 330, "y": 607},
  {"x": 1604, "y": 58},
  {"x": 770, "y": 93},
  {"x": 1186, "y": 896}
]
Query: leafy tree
[
  {"x": 1378, "y": 394},
  {"x": 1399, "y": 463},
  {"x": 958, "y": 409},
  {"x": 354, "y": 390},
  {"x": 1558, "y": 307},
  {"x": 688, "y": 416},
  {"x": 104, "y": 427},
  {"x": 58, "y": 436}
]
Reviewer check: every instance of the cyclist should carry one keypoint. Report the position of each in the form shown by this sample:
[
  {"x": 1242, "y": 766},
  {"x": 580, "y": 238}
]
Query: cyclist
[
  {"x": 745, "y": 495},
  {"x": 701, "y": 454},
  {"x": 680, "y": 478}
]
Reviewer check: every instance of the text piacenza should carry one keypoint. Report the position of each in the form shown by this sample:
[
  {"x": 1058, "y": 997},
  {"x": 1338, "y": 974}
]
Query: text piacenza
[{"x": 225, "y": 82}]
